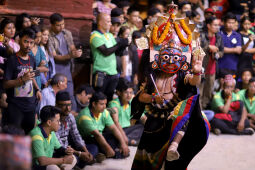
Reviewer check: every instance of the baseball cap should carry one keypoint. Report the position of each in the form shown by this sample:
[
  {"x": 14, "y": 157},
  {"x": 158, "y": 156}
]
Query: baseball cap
[
  {"x": 115, "y": 20},
  {"x": 209, "y": 10}
]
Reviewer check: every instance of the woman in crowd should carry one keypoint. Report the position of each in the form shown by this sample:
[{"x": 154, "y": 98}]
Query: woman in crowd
[
  {"x": 48, "y": 56},
  {"x": 125, "y": 59},
  {"x": 7, "y": 47},
  {"x": 39, "y": 56},
  {"x": 248, "y": 45}
]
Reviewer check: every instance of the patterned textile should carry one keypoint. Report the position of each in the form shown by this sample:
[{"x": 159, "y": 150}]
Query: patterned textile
[
  {"x": 69, "y": 129},
  {"x": 153, "y": 146},
  {"x": 15, "y": 152}
]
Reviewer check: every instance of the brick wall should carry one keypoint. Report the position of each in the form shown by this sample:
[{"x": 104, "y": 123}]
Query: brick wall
[{"x": 78, "y": 19}]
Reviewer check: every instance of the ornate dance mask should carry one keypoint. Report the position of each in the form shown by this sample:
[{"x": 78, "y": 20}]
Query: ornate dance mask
[
  {"x": 170, "y": 60},
  {"x": 171, "y": 40}
]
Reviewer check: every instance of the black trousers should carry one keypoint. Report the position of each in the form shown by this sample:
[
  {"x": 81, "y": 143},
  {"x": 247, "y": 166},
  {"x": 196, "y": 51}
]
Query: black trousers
[
  {"x": 17, "y": 117},
  {"x": 227, "y": 127},
  {"x": 110, "y": 83}
]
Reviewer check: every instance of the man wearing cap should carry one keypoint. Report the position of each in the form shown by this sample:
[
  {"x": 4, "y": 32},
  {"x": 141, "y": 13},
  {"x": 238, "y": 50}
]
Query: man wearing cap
[
  {"x": 209, "y": 12},
  {"x": 115, "y": 27},
  {"x": 118, "y": 13},
  {"x": 103, "y": 47},
  {"x": 68, "y": 131},
  {"x": 231, "y": 116}
]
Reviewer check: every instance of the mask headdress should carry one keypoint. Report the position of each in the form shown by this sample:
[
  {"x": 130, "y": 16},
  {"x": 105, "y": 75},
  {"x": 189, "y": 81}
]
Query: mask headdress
[{"x": 171, "y": 34}]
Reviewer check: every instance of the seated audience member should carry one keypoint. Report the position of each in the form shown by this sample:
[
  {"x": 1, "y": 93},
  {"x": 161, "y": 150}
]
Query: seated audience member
[
  {"x": 122, "y": 115},
  {"x": 244, "y": 82},
  {"x": 231, "y": 116},
  {"x": 22, "y": 90},
  {"x": 58, "y": 82},
  {"x": 68, "y": 131},
  {"x": 45, "y": 142},
  {"x": 93, "y": 120},
  {"x": 248, "y": 98},
  {"x": 82, "y": 97}
]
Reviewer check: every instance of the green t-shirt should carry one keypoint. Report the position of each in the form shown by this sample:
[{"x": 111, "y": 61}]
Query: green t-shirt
[
  {"x": 219, "y": 101},
  {"x": 87, "y": 123},
  {"x": 107, "y": 64},
  {"x": 248, "y": 102},
  {"x": 124, "y": 112},
  {"x": 43, "y": 146}
]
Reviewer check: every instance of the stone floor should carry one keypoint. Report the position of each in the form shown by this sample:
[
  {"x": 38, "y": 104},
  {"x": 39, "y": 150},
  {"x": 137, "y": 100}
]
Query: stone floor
[{"x": 224, "y": 152}]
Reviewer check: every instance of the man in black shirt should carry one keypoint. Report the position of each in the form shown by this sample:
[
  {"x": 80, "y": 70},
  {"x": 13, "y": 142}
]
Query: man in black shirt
[{"x": 22, "y": 90}]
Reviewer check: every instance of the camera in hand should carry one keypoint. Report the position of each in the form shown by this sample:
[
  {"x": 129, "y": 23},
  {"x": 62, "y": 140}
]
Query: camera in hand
[{"x": 36, "y": 72}]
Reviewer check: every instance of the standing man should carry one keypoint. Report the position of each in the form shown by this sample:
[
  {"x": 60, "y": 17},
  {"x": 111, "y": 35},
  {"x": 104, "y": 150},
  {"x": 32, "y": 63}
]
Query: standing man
[
  {"x": 63, "y": 49},
  {"x": 22, "y": 90},
  {"x": 132, "y": 19},
  {"x": 68, "y": 134},
  {"x": 103, "y": 47},
  {"x": 232, "y": 46},
  {"x": 212, "y": 44}
]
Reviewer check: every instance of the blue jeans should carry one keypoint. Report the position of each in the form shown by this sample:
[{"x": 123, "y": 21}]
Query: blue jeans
[{"x": 209, "y": 114}]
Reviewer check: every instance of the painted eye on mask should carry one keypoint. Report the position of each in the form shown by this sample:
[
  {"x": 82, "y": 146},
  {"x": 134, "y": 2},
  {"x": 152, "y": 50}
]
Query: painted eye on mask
[
  {"x": 165, "y": 57},
  {"x": 176, "y": 58}
]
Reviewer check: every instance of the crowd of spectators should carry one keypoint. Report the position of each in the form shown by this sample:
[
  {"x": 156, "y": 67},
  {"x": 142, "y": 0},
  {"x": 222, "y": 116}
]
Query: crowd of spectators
[{"x": 77, "y": 128}]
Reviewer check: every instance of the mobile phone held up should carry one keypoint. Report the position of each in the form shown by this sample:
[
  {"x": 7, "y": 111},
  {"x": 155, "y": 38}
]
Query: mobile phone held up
[{"x": 36, "y": 72}]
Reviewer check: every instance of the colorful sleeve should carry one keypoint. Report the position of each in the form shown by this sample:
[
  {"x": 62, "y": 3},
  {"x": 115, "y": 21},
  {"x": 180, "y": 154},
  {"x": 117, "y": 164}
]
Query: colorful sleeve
[
  {"x": 108, "y": 118},
  {"x": 96, "y": 40},
  {"x": 37, "y": 146}
]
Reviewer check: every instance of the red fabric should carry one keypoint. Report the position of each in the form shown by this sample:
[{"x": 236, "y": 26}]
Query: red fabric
[
  {"x": 140, "y": 52},
  {"x": 234, "y": 106},
  {"x": 211, "y": 67},
  {"x": 223, "y": 116},
  {"x": 220, "y": 7}
]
